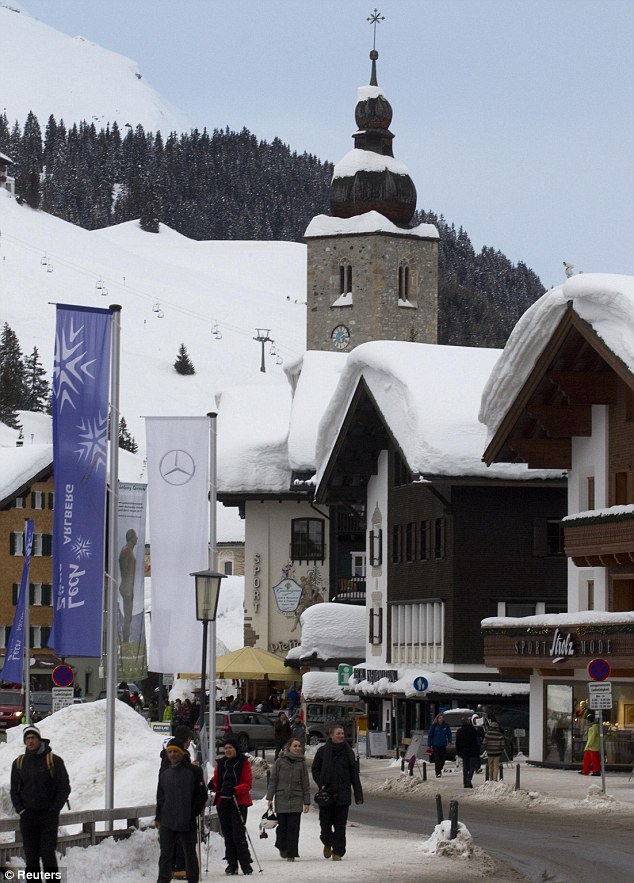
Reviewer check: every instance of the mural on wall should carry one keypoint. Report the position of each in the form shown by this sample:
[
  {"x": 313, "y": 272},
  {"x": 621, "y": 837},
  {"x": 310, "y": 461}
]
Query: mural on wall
[{"x": 293, "y": 596}]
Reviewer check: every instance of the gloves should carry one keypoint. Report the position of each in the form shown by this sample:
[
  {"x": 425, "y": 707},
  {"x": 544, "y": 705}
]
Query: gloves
[{"x": 228, "y": 791}]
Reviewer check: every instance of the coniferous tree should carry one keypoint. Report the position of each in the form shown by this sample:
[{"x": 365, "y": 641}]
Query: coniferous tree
[
  {"x": 37, "y": 388},
  {"x": 183, "y": 363},
  {"x": 12, "y": 386},
  {"x": 126, "y": 439}
]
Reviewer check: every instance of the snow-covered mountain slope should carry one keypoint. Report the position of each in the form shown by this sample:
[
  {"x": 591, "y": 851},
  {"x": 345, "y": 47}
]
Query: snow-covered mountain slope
[{"x": 73, "y": 79}]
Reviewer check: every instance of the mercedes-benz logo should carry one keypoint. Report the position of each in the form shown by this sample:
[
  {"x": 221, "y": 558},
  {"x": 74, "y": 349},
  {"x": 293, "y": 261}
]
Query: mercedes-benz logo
[{"x": 177, "y": 467}]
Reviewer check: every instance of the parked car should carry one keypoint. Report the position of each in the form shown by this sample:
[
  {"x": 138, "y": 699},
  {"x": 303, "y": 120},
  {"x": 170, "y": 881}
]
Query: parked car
[
  {"x": 252, "y": 729},
  {"x": 320, "y": 716},
  {"x": 41, "y": 704},
  {"x": 453, "y": 717},
  {"x": 11, "y": 708},
  {"x": 133, "y": 689}
]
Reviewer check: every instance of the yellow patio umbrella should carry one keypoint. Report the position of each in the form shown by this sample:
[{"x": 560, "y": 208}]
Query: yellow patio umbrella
[{"x": 253, "y": 664}]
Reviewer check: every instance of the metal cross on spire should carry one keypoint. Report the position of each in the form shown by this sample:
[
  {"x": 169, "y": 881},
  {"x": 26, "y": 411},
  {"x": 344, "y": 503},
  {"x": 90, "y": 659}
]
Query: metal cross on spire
[{"x": 375, "y": 19}]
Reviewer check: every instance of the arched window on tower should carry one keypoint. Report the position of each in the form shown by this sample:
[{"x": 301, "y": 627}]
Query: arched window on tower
[
  {"x": 345, "y": 279},
  {"x": 403, "y": 281}
]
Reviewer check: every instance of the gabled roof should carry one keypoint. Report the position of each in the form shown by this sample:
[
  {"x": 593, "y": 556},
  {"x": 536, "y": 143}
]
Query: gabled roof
[
  {"x": 564, "y": 355},
  {"x": 425, "y": 399}
]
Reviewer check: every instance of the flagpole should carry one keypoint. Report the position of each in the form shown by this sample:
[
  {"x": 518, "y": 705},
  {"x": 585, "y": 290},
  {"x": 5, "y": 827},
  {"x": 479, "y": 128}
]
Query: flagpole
[
  {"x": 27, "y": 638},
  {"x": 112, "y": 606},
  {"x": 213, "y": 559}
]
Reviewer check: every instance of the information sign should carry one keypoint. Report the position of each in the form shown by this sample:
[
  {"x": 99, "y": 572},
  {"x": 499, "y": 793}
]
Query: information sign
[
  {"x": 421, "y": 684},
  {"x": 62, "y": 696},
  {"x": 600, "y": 696},
  {"x": 344, "y": 673}
]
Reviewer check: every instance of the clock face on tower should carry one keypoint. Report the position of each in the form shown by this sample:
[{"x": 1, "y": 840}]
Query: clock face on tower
[{"x": 340, "y": 337}]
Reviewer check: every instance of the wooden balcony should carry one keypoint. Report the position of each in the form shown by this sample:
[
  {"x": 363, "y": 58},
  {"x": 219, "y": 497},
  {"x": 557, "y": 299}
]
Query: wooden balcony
[
  {"x": 606, "y": 542},
  {"x": 350, "y": 590}
]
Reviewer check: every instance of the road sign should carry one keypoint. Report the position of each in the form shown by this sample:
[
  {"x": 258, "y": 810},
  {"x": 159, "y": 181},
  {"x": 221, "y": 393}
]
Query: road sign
[
  {"x": 421, "y": 684},
  {"x": 344, "y": 673},
  {"x": 62, "y": 696},
  {"x": 600, "y": 696},
  {"x": 63, "y": 676},
  {"x": 599, "y": 669}
]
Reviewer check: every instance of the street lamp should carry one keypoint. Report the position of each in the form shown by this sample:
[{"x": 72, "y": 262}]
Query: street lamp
[{"x": 207, "y": 592}]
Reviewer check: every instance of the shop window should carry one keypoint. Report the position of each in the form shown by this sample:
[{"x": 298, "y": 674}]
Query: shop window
[{"x": 307, "y": 539}]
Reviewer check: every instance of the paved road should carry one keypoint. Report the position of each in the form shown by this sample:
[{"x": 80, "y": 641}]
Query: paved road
[{"x": 534, "y": 845}]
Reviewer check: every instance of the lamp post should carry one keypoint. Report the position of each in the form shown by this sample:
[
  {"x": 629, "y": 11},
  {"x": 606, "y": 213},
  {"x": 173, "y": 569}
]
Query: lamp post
[{"x": 207, "y": 591}]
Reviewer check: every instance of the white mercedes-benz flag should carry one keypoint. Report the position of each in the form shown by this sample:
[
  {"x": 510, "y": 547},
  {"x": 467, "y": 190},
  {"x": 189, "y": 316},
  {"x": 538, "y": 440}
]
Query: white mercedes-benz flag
[{"x": 178, "y": 504}]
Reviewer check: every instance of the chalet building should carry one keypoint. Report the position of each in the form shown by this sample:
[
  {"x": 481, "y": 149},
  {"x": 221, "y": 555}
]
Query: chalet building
[
  {"x": 361, "y": 481},
  {"x": 562, "y": 397},
  {"x": 6, "y": 181}
]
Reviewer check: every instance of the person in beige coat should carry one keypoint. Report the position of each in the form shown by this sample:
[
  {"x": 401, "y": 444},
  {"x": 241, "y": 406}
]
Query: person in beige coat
[{"x": 290, "y": 789}]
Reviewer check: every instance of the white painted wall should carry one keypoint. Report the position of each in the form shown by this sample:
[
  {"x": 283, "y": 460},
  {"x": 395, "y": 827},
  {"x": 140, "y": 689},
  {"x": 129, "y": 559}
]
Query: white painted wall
[
  {"x": 376, "y": 577},
  {"x": 267, "y": 544}
]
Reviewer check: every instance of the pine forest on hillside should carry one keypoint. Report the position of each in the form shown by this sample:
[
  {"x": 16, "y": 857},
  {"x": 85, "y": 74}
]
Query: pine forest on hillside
[{"x": 229, "y": 185}]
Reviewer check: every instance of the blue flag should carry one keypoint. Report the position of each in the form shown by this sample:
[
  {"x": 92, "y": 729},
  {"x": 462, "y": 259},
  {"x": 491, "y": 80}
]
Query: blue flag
[
  {"x": 13, "y": 669},
  {"x": 80, "y": 443}
]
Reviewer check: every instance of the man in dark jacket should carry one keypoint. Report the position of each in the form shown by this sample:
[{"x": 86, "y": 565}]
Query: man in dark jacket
[
  {"x": 180, "y": 798},
  {"x": 468, "y": 749},
  {"x": 39, "y": 790},
  {"x": 335, "y": 770}
]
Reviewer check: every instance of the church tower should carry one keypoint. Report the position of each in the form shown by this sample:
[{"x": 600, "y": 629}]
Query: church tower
[{"x": 370, "y": 275}]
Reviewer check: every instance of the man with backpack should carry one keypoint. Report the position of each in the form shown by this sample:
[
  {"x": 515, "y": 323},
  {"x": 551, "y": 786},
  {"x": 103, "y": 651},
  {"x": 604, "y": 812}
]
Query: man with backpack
[{"x": 39, "y": 789}]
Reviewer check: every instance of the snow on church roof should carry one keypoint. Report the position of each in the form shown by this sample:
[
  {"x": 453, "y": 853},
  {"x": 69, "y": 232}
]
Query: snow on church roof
[
  {"x": 429, "y": 397},
  {"x": 603, "y": 300},
  {"x": 370, "y": 222}
]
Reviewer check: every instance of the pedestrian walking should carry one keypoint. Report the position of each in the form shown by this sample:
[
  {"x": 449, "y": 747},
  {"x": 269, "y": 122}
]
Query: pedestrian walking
[
  {"x": 231, "y": 783},
  {"x": 289, "y": 787},
  {"x": 184, "y": 736},
  {"x": 494, "y": 744},
  {"x": 468, "y": 749},
  {"x": 180, "y": 798},
  {"x": 592, "y": 748},
  {"x": 298, "y": 730},
  {"x": 282, "y": 734},
  {"x": 335, "y": 771},
  {"x": 39, "y": 789},
  {"x": 438, "y": 738}
]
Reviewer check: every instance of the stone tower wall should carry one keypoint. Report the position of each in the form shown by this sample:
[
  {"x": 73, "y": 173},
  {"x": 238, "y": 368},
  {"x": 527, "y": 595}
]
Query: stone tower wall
[{"x": 375, "y": 313}]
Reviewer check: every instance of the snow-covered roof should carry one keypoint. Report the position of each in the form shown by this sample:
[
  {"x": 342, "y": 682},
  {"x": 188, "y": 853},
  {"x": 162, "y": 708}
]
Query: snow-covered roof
[
  {"x": 439, "y": 684},
  {"x": 604, "y": 301},
  {"x": 429, "y": 397},
  {"x": 330, "y": 631},
  {"x": 19, "y": 465},
  {"x": 322, "y": 685},
  {"x": 559, "y": 620},
  {"x": 369, "y": 222}
]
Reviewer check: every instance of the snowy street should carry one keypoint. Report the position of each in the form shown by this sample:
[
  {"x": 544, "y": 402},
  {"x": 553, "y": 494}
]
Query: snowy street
[{"x": 554, "y": 812}]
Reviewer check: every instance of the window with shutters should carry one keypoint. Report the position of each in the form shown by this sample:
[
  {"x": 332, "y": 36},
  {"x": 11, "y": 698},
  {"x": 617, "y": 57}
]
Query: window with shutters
[
  {"x": 376, "y": 625},
  {"x": 376, "y": 546},
  {"x": 37, "y": 500},
  {"x": 410, "y": 541},
  {"x": 16, "y": 543},
  {"x": 307, "y": 539},
  {"x": 397, "y": 544}
]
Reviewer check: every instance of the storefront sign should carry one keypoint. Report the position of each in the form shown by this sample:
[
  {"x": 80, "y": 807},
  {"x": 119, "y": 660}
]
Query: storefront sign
[
  {"x": 287, "y": 594},
  {"x": 372, "y": 675},
  {"x": 256, "y": 582}
]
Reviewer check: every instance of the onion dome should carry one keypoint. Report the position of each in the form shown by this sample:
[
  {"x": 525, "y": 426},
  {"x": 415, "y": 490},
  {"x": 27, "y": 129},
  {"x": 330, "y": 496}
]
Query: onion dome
[{"x": 368, "y": 178}]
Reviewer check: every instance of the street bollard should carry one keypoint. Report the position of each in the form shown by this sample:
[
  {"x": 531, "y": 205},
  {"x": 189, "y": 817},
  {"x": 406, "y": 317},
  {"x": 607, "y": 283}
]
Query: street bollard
[
  {"x": 424, "y": 771},
  {"x": 486, "y": 771},
  {"x": 268, "y": 778},
  {"x": 402, "y": 763},
  {"x": 453, "y": 818},
  {"x": 411, "y": 764},
  {"x": 501, "y": 771},
  {"x": 439, "y": 812},
  {"x": 517, "y": 777}
]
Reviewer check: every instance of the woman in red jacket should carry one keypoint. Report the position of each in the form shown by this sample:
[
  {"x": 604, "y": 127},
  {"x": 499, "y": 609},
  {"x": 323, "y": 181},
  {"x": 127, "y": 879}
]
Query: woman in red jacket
[{"x": 232, "y": 782}]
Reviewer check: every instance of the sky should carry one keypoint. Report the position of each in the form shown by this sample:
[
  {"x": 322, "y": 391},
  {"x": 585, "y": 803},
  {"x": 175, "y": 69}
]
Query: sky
[
  {"x": 77, "y": 733},
  {"x": 514, "y": 118}
]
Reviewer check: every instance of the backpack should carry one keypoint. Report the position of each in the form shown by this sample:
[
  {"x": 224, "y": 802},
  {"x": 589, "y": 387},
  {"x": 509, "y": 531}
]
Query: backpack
[{"x": 50, "y": 763}]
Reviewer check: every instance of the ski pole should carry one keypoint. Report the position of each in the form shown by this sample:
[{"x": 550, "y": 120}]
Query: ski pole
[{"x": 246, "y": 831}]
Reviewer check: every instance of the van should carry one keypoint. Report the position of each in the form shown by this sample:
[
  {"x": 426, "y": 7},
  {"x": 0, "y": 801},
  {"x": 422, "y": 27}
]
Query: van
[
  {"x": 11, "y": 708},
  {"x": 320, "y": 716}
]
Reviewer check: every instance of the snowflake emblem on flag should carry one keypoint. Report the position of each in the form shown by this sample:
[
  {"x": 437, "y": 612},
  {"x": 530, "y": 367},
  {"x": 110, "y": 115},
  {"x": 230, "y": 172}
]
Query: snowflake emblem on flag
[
  {"x": 81, "y": 548},
  {"x": 71, "y": 364},
  {"x": 93, "y": 441}
]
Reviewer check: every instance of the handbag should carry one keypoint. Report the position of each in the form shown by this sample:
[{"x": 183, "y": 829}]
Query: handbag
[
  {"x": 430, "y": 751},
  {"x": 324, "y": 798}
]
